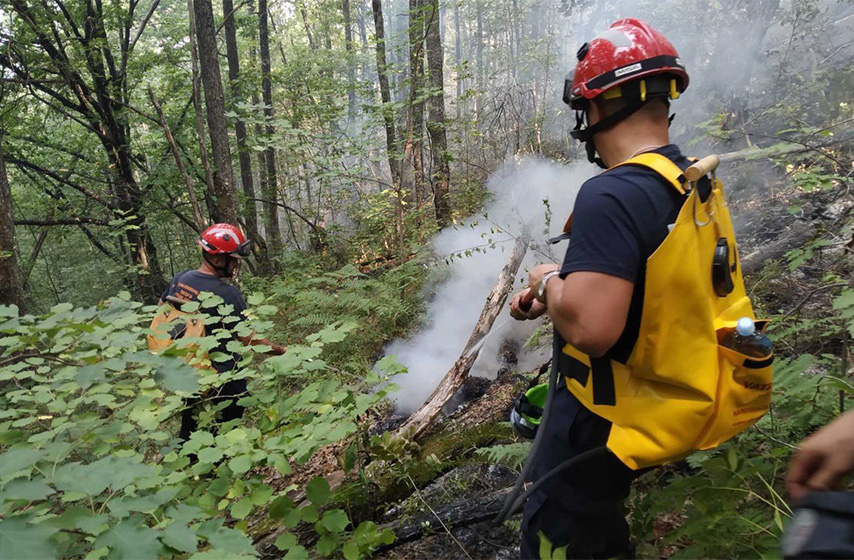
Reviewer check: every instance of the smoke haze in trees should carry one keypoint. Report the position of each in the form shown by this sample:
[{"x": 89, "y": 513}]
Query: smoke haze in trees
[
  {"x": 736, "y": 71},
  {"x": 518, "y": 190}
]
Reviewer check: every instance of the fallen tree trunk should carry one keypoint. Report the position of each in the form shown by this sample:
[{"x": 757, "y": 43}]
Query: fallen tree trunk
[
  {"x": 782, "y": 149},
  {"x": 458, "y": 514},
  {"x": 423, "y": 418},
  {"x": 793, "y": 237}
]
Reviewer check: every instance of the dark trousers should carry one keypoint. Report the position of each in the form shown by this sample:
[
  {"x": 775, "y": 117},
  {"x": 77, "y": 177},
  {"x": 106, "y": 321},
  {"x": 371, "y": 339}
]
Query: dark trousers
[
  {"x": 232, "y": 391},
  {"x": 578, "y": 513}
]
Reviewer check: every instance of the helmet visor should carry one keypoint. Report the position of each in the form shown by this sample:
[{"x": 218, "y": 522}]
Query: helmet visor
[{"x": 243, "y": 250}]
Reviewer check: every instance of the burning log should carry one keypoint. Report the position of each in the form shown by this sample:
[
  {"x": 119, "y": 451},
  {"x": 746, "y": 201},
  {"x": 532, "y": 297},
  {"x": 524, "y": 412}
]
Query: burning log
[
  {"x": 424, "y": 417},
  {"x": 458, "y": 514}
]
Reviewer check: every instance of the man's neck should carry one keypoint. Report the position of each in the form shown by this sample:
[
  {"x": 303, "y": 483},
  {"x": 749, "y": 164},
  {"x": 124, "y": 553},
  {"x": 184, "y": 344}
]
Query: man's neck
[
  {"x": 623, "y": 142},
  {"x": 207, "y": 269}
]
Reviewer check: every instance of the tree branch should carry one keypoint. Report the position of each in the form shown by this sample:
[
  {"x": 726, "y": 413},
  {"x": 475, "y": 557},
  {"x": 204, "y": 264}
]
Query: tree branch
[
  {"x": 76, "y": 221},
  {"x": 141, "y": 27},
  {"x": 191, "y": 188},
  {"x": 312, "y": 225},
  {"x": 79, "y": 188}
]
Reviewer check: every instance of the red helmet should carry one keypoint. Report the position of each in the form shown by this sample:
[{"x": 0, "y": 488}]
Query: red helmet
[
  {"x": 628, "y": 50},
  {"x": 224, "y": 239}
]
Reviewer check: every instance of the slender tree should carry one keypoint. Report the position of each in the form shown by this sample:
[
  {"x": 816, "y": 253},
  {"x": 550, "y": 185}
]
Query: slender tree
[
  {"x": 385, "y": 92},
  {"x": 226, "y": 201},
  {"x": 388, "y": 120},
  {"x": 244, "y": 158},
  {"x": 274, "y": 235},
  {"x": 413, "y": 151},
  {"x": 458, "y": 58},
  {"x": 351, "y": 63},
  {"x": 11, "y": 280},
  {"x": 441, "y": 173},
  {"x": 197, "y": 107}
]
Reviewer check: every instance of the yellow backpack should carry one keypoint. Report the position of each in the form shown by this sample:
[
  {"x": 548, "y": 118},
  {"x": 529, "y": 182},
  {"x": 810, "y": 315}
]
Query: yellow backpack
[
  {"x": 170, "y": 324},
  {"x": 680, "y": 390}
]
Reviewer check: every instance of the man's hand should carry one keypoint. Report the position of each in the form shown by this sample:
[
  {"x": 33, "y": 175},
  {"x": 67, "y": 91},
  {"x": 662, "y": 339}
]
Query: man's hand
[
  {"x": 535, "y": 310},
  {"x": 823, "y": 458}
]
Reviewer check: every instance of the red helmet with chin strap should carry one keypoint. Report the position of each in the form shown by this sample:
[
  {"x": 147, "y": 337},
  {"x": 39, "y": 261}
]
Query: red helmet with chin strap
[
  {"x": 224, "y": 239},
  {"x": 628, "y": 50},
  {"x": 630, "y": 61}
]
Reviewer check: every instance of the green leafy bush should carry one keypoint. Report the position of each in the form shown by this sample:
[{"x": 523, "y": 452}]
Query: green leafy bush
[{"x": 89, "y": 465}]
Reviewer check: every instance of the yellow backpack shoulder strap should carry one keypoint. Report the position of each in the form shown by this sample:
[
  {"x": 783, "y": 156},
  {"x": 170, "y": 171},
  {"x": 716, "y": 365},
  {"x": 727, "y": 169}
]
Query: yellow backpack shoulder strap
[{"x": 661, "y": 165}]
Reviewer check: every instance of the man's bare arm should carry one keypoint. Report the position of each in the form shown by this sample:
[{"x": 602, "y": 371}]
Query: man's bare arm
[
  {"x": 250, "y": 340},
  {"x": 589, "y": 309}
]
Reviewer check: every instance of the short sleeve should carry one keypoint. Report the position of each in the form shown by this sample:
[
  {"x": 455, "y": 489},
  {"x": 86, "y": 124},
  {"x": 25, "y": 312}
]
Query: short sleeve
[
  {"x": 605, "y": 235},
  {"x": 170, "y": 287}
]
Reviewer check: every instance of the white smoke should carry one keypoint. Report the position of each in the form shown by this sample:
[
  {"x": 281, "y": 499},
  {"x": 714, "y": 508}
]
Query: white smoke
[{"x": 519, "y": 190}]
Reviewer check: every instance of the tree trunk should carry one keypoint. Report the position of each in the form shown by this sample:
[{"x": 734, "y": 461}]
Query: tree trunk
[
  {"x": 415, "y": 128},
  {"x": 458, "y": 59},
  {"x": 250, "y": 215},
  {"x": 274, "y": 236},
  {"x": 11, "y": 281},
  {"x": 226, "y": 201},
  {"x": 479, "y": 48},
  {"x": 385, "y": 92},
  {"x": 441, "y": 177},
  {"x": 351, "y": 68},
  {"x": 197, "y": 107},
  {"x": 421, "y": 420}
]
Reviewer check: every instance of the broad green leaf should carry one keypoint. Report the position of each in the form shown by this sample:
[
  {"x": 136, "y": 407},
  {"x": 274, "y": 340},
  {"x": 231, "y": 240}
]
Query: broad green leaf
[
  {"x": 130, "y": 539},
  {"x": 326, "y": 545},
  {"x": 286, "y": 541},
  {"x": 335, "y": 520},
  {"x": 23, "y": 489},
  {"x": 19, "y": 540},
  {"x": 177, "y": 376},
  {"x": 261, "y": 495},
  {"x": 94, "y": 478},
  {"x": 317, "y": 490},
  {"x": 184, "y": 514},
  {"x": 144, "y": 504},
  {"x": 180, "y": 537},
  {"x": 297, "y": 553},
  {"x": 280, "y": 506},
  {"x": 210, "y": 455},
  {"x": 350, "y": 551},
  {"x": 240, "y": 464},
  {"x": 241, "y": 509},
  {"x": 309, "y": 514},
  {"x": 229, "y": 540},
  {"x": 219, "y": 487},
  {"x": 18, "y": 459}
]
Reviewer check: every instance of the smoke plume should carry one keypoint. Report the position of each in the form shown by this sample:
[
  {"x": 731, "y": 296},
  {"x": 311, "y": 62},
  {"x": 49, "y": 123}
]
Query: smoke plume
[{"x": 518, "y": 191}]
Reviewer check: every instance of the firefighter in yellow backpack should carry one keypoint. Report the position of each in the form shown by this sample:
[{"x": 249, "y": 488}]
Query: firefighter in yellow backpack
[
  {"x": 649, "y": 286},
  {"x": 223, "y": 248}
]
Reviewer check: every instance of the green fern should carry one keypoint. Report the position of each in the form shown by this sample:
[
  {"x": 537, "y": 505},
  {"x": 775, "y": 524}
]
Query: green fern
[{"x": 510, "y": 455}]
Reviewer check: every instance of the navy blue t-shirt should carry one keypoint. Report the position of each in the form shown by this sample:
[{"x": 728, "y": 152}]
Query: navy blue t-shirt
[
  {"x": 189, "y": 284},
  {"x": 620, "y": 218}
]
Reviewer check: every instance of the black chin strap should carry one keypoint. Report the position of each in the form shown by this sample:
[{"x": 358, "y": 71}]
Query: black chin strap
[
  {"x": 221, "y": 271},
  {"x": 586, "y": 134}
]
